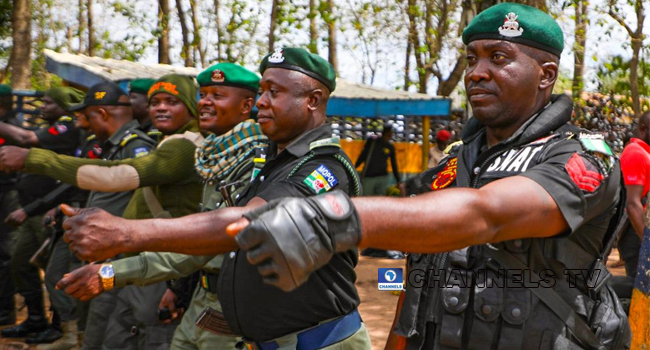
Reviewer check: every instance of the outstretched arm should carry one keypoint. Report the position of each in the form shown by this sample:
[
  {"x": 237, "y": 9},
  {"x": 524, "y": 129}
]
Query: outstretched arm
[
  {"x": 95, "y": 235},
  {"x": 512, "y": 208},
  {"x": 172, "y": 162},
  {"x": 18, "y": 136}
]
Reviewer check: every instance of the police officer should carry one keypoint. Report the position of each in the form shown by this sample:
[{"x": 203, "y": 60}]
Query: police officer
[
  {"x": 138, "y": 89},
  {"x": 8, "y": 204},
  {"x": 166, "y": 186},
  {"x": 304, "y": 160},
  {"x": 518, "y": 231},
  {"x": 226, "y": 162},
  {"x": 60, "y": 136}
]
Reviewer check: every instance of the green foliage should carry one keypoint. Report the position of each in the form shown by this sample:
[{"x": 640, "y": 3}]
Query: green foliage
[{"x": 614, "y": 77}]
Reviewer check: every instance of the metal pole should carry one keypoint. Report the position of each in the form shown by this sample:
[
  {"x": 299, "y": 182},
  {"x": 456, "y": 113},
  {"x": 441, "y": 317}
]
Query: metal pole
[{"x": 426, "y": 129}]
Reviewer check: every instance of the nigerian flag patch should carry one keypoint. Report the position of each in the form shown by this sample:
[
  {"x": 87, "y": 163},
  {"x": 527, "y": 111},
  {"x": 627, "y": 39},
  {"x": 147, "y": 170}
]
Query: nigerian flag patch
[
  {"x": 596, "y": 145},
  {"x": 321, "y": 180}
]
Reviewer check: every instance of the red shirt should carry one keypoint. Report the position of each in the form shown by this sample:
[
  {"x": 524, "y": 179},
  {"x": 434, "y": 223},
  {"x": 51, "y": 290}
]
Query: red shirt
[{"x": 635, "y": 164}]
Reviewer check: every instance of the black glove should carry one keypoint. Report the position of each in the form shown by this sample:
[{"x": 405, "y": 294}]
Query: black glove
[{"x": 290, "y": 238}]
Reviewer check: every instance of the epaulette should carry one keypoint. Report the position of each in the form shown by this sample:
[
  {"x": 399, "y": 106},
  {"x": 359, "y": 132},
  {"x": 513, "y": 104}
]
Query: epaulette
[
  {"x": 452, "y": 146},
  {"x": 126, "y": 139},
  {"x": 330, "y": 145},
  {"x": 154, "y": 132},
  {"x": 91, "y": 137},
  {"x": 65, "y": 119}
]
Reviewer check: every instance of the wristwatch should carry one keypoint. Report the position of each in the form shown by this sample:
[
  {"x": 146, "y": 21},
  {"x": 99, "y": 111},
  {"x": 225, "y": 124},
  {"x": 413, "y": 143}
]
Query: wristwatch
[{"x": 107, "y": 274}]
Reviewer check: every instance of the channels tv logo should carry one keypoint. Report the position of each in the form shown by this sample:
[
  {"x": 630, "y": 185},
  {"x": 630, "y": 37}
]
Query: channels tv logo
[{"x": 390, "y": 279}]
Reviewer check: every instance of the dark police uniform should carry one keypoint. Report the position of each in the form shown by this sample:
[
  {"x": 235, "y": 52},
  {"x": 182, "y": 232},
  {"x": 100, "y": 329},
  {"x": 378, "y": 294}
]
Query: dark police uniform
[
  {"x": 579, "y": 171},
  {"x": 8, "y": 204},
  {"x": 263, "y": 313}
]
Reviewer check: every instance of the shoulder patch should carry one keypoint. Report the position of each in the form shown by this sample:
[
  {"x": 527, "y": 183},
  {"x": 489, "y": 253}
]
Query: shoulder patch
[
  {"x": 321, "y": 180},
  {"x": 584, "y": 173},
  {"x": 447, "y": 176},
  {"x": 140, "y": 152}
]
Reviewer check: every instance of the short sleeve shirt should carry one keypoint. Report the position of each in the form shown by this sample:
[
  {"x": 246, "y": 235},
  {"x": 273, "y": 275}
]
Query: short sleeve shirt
[
  {"x": 61, "y": 137},
  {"x": 635, "y": 164},
  {"x": 262, "y": 312}
]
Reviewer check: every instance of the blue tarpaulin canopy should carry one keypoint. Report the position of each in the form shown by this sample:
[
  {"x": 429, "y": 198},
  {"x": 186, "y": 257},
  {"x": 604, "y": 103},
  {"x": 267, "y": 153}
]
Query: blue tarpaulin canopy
[{"x": 348, "y": 100}]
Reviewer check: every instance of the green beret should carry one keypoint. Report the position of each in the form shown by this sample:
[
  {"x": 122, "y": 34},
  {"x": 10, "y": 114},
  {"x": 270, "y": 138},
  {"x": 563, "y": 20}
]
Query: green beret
[
  {"x": 302, "y": 61},
  {"x": 65, "y": 96},
  {"x": 517, "y": 23},
  {"x": 141, "y": 85},
  {"x": 5, "y": 90},
  {"x": 181, "y": 86},
  {"x": 229, "y": 74}
]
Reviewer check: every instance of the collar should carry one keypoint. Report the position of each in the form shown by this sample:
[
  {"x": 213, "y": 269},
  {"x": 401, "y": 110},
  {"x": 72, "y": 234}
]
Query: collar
[
  {"x": 641, "y": 143},
  {"x": 551, "y": 117},
  {"x": 300, "y": 146},
  {"x": 117, "y": 136}
]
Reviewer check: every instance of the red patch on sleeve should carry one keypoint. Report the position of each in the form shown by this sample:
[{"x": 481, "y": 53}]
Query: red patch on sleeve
[
  {"x": 52, "y": 130},
  {"x": 583, "y": 173},
  {"x": 2, "y": 141}
]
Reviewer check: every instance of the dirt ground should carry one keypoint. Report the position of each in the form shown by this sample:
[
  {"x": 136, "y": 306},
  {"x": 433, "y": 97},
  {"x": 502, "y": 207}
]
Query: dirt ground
[{"x": 377, "y": 307}]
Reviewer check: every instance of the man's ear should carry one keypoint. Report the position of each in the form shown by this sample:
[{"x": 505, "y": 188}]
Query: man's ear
[
  {"x": 315, "y": 99},
  {"x": 104, "y": 114},
  {"x": 549, "y": 75},
  {"x": 246, "y": 105}
]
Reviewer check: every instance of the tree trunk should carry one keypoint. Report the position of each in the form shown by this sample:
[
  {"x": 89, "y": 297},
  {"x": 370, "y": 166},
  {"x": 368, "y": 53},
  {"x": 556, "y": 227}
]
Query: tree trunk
[
  {"x": 414, "y": 38},
  {"x": 313, "y": 28},
  {"x": 82, "y": 26},
  {"x": 22, "y": 45},
  {"x": 220, "y": 37},
  {"x": 407, "y": 65},
  {"x": 185, "y": 51},
  {"x": 163, "y": 35},
  {"x": 634, "y": 75},
  {"x": 274, "y": 19},
  {"x": 197, "y": 42},
  {"x": 91, "y": 29},
  {"x": 579, "y": 48},
  {"x": 446, "y": 87},
  {"x": 331, "y": 37}
]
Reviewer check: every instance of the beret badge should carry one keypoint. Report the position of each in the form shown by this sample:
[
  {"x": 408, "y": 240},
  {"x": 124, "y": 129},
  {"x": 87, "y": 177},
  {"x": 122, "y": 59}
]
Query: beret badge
[
  {"x": 510, "y": 27},
  {"x": 218, "y": 76},
  {"x": 277, "y": 56}
]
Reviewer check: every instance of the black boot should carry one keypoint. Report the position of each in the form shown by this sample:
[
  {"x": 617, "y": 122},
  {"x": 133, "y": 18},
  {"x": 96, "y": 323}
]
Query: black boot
[
  {"x": 50, "y": 334},
  {"x": 36, "y": 320}
]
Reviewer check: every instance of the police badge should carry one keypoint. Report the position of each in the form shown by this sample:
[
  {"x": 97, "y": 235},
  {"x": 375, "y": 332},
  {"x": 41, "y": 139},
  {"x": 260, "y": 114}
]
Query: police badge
[
  {"x": 510, "y": 27},
  {"x": 218, "y": 76}
]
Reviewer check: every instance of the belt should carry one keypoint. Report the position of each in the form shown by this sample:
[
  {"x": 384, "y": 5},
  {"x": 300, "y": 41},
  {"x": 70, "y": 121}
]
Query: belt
[{"x": 318, "y": 337}]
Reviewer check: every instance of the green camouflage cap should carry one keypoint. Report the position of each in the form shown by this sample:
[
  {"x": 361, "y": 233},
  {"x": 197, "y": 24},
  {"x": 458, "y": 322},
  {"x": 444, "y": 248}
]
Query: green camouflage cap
[
  {"x": 517, "y": 23},
  {"x": 303, "y": 61},
  {"x": 66, "y": 96},
  {"x": 5, "y": 90},
  {"x": 229, "y": 74},
  {"x": 181, "y": 86},
  {"x": 141, "y": 85}
]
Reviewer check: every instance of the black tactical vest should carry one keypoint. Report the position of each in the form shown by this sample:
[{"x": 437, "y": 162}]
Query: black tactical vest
[{"x": 482, "y": 304}]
